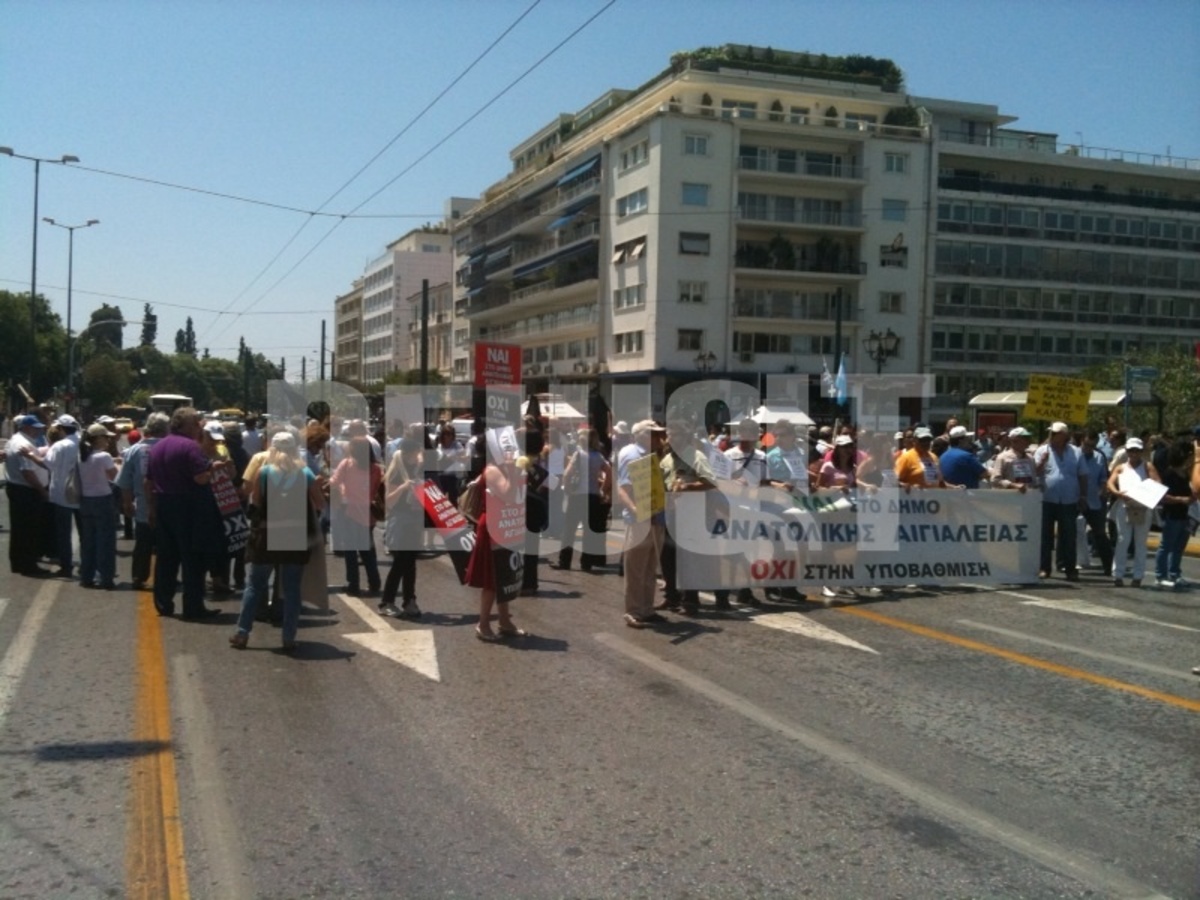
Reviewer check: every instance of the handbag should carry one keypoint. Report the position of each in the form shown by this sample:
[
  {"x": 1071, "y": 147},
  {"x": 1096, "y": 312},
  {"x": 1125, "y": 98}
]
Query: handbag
[
  {"x": 71, "y": 489},
  {"x": 470, "y": 501}
]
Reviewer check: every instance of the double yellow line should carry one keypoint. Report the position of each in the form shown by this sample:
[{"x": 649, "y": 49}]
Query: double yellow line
[
  {"x": 154, "y": 863},
  {"x": 1023, "y": 659}
]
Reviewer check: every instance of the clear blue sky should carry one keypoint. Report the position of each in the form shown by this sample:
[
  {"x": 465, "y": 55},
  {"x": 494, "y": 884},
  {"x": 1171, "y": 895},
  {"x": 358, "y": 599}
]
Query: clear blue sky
[{"x": 284, "y": 101}]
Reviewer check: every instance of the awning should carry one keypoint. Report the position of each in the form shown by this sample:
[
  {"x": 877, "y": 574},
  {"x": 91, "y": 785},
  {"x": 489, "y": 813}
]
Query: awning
[
  {"x": 563, "y": 221},
  {"x": 1019, "y": 398},
  {"x": 580, "y": 170},
  {"x": 475, "y": 257},
  {"x": 769, "y": 415},
  {"x": 498, "y": 256},
  {"x": 538, "y": 265}
]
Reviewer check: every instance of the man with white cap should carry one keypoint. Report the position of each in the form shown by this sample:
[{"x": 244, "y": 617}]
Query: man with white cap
[
  {"x": 749, "y": 470},
  {"x": 960, "y": 466},
  {"x": 1064, "y": 497},
  {"x": 27, "y": 490},
  {"x": 1013, "y": 468},
  {"x": 62, "y": 460},
  {"x": 917, "y": 466},
  {"x": 1132, "y": 518}
]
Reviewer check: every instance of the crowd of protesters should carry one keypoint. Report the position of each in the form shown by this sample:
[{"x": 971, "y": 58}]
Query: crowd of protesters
[{"x": 352, "y": 487}]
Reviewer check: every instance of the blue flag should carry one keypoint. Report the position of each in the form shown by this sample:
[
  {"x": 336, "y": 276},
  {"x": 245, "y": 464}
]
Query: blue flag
[{"x": 840, "y": 382}]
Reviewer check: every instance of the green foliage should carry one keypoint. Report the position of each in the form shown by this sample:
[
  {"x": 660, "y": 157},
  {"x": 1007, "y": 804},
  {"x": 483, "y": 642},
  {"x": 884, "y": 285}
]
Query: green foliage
[
  {"x": 905, "y": 116},
  {"x": 1178, "y": 384},
  {"x": 50, "y": 344},
  {"x": 104, "y": 327},
  {"x": 105, "y": 381}
]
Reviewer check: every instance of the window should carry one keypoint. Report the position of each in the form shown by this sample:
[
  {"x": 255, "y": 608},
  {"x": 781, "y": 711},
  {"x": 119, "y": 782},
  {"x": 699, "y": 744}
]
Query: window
[
  {"x": 695, "y": 243},
  {"x": 891, "y": 301},
  {"x": 633, "y": 203},
  {"x": 692, "y": 291},
  {"x": 629, "y": 297},
  {"x": 629, "y": 250},
  {"x": 635, "y": 155},
  {"x": 798, "y": 115},
  {"x": 695, "y": 194},
  {"x": 691, "y": 339},
  {"x": 896, "y": 163},
  {"x": 695, "y": 145},
  {"x": 627, "y": 342},
  {"x": 895, "y": 210}
]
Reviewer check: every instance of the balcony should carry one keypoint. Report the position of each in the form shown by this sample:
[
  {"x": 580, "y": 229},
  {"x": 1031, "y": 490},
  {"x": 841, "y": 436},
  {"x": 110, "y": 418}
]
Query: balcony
[
  {"x": 1108, "y": 198},
  {"x": 801, "y": 168},
  {"x": 1007, "y": 139},
  {"x": 782, "y": 215},
  {"x": 782, "y": 256}
]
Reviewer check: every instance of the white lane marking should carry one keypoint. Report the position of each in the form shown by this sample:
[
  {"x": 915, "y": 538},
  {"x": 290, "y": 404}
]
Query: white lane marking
[
  {"x": 3, "y": 605},
  {"x": 802, "y": 625},
  {"x": 1180, "y": 673},
  {"x": 1084, "y": 608},
  {"x": 221, "y": 838},
  {"x": 1039, "y": 848},
  {"x": 20, "y": 651},
  {"x": 410, "y": 647}
]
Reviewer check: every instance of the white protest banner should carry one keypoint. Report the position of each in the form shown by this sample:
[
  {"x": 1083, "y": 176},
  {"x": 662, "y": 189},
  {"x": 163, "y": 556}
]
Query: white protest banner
[{"x": 886, "y": 538}]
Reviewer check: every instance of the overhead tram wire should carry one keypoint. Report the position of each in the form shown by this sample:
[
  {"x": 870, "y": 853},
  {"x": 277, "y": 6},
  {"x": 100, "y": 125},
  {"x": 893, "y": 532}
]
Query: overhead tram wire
[
  {"x": 426, "y": 154},
  {"x": 320, "y": 210}
]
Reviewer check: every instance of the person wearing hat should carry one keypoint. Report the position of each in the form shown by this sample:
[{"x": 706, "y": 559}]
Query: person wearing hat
[
  {"x": 27, "y": 489},
  {"x": 685, "y": 468},
  {"x": 179, "y": 473},
  {"x": 749, "y": 471},
  {"x": 1064, "y": 498},
  {"x": 917, "y": 466},
  {"x": 1013, "y": 467},
  {"x": 645, "y": 529},
  {"x": 960, "y": 466},
  {"x": 61, "y": 460},
  {"x": 97, "y": 522},
  {"x": 131, "y": 480},
  {"x": 620, "y": 438},
  {"x": 1133, "y": 519},
  {"x": 210, "y": 525}
]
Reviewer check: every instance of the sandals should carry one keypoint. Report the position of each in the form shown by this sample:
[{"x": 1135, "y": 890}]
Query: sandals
[
  {"x": 512, "y": 632},
  {"x": 488, "y": 637}
]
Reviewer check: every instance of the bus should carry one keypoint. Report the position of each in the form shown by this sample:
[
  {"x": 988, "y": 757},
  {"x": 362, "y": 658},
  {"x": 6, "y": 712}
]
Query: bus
[{"x": 167, "y": 403}]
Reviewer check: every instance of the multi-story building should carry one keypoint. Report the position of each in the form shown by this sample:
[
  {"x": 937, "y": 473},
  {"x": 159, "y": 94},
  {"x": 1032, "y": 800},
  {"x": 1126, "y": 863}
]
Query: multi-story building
[
  {"x": 438, "y": 329},
  {"x": 347, "y": 340},
  {"x": 422, "y": 254},
  {"x": 750, "y": 212}
]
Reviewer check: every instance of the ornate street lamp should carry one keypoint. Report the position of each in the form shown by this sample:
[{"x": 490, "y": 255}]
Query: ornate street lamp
[
  {"x": 882, "y": 347},
  {"x": 705, "y": 362}
]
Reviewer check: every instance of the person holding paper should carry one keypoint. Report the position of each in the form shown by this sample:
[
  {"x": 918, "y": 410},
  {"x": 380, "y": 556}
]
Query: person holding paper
[
  {"x": 638, "y": 476},
  {"x": 1132, "y": 517}
]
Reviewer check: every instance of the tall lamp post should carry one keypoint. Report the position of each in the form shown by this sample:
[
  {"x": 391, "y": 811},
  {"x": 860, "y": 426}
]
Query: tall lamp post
[
  {"x": 37, "y": 173},
  {"x": 881, "y": 347},
  {"x": 70, "y": 280}
]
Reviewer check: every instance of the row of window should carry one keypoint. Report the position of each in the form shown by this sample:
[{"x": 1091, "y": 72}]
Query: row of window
[
  {"x": 979, "y": 217},
  {"x": 964, "y": 299},
  {"x": 1042, "y": 342},
  {"x": 580, "y": 349},
  {"x": 1073, "y": 264}
]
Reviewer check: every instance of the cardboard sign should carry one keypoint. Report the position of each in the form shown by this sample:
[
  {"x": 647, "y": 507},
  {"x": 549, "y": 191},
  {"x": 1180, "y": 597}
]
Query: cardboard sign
[
  {"x": 1055, "y": 398},
  {"x": 229, "y": 502},
  {"x": 497, "y": 364},
  {"x": 646, "y": 485},
  {"x": 456, "y": 532}
]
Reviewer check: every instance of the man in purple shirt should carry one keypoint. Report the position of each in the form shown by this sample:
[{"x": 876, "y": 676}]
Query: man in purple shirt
[{"x": 177, "y": 474}]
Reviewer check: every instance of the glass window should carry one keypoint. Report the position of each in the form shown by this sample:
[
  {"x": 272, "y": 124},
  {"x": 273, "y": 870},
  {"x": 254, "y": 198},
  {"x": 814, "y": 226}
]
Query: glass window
[
  {"x": 798, "y": 115},
  {"x": 896, "y": 163},
  {"x": 633, "y": 203},
  {"x": 695, "y": 194},
  {"x": 691, "y": 339},
  {"x": 694, "y": 243},
  {"x": 742, "y": 109},
  {"x": 895, "y": 210},
  {"x": 891, "y": 301},
  {"x": 695, "y": 145},
  {"x": 692, "y": 291}
]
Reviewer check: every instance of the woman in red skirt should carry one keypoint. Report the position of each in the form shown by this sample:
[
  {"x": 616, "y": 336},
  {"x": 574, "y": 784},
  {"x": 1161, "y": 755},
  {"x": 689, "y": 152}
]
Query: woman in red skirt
[{"x": 503, "y": 483}]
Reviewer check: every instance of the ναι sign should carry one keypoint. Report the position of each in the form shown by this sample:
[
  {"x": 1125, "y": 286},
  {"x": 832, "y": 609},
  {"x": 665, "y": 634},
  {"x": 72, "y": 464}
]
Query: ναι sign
[{"x": 1055, "y": 398}]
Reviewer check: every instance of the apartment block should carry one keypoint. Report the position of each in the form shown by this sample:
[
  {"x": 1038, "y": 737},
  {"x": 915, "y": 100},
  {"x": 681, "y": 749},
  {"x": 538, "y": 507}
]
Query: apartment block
[{"x": 750, "y": 212}]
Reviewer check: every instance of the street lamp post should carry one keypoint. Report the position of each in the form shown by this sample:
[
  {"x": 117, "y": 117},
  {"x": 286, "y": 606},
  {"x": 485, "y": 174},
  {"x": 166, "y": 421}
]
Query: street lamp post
[
  {"x": 706, "y": 361},
  {"x": 37, "y": 173},
  {"x": 881, "y": 347},
  {"x": 70, "y": 280}
]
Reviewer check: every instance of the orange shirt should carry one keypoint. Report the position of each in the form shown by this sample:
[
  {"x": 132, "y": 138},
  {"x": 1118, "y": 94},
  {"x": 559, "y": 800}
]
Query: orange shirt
[{"x": 918, "y": 469}]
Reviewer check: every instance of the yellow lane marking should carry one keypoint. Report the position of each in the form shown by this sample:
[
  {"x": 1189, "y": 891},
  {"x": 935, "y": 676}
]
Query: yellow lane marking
[
  {"x": 1023, "y": 659},
  {"x": 154, "y": 861}
]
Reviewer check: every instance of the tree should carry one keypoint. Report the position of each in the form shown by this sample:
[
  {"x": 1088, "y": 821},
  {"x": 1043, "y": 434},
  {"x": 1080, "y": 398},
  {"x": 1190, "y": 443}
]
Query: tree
[
  {"x": 105, "y": 382},
  {"x": 104, "y": 327},
  {"x": 50, "y": 340},
  {"x": 149, "y": 326},
  {"x": 1177, "y": 385}
]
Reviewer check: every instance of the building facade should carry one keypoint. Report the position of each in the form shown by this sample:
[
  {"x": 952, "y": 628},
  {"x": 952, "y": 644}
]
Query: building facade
[
  {"x": 347, "y": 340},
  {"x": 746, "y": 216}
]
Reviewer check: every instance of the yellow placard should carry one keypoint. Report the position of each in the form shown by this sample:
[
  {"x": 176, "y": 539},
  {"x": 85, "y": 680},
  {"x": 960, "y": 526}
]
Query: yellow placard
[
  {"x": 1055, "y": 398},
  {"x": 646, "y": 485}
]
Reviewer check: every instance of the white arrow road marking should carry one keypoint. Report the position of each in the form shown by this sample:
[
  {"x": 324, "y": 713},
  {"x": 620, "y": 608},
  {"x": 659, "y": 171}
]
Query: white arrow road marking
[
  {"x": 411, "y": 647},
  {"x": 17, "y": 657},
  {"x": 808, "y": 628}
]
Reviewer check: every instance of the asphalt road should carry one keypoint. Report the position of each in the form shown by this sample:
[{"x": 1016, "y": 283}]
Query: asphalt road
[{"x": 1033, "y": 742}]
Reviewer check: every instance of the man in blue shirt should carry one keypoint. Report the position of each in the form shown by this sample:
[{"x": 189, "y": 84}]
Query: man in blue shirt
[
  {"x": 1064, "y": 496},
  {"x": 960, "y": 466},
  {"x": 1095, "y": 472}
]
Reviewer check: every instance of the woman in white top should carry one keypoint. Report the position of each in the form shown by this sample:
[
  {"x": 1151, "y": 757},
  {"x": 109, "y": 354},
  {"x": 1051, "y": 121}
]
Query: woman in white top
[
  {"x": 1132, "y": 518},
  {"x": 97, "y": 514}
]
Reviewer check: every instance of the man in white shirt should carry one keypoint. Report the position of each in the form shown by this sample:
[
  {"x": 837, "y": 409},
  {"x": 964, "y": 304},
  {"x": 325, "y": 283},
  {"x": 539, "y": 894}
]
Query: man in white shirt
[
  {"x": 62, "y": 459},
  {"x": 27, "y": 490},
  {"x": 749, "y": 470}
]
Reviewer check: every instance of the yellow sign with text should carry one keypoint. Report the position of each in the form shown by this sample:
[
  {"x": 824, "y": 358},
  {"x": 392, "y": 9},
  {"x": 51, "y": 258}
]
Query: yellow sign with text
[
  {"x": 646, "y": 485},
  {"x": 1055, "y": 398}
]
